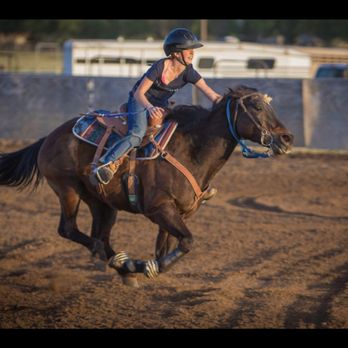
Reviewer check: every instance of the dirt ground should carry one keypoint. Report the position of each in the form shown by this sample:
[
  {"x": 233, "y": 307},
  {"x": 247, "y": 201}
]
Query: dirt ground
[{"x": 270, "y": 251}]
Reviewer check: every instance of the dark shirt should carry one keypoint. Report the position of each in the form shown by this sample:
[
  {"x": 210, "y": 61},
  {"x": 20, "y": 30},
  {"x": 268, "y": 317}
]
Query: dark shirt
[{"x": 159, "y": 93}]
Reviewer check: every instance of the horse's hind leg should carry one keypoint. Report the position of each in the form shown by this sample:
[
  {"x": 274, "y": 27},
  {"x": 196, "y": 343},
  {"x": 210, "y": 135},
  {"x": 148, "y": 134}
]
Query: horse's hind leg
[
  {"x": 104, "y": 218},
  {"x": 70, "y": 201}
]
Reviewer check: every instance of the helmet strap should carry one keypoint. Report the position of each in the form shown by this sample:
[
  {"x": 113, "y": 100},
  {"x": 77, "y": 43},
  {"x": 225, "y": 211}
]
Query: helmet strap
[{"x": 181, "y": 59}]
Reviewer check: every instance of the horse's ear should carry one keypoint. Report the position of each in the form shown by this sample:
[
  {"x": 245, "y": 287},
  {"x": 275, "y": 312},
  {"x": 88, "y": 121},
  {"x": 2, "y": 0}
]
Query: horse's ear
[
  {"x": 229, "y": 92},
  {"x": 246, "y": 89},
  {"x": 238, "y": 91}
]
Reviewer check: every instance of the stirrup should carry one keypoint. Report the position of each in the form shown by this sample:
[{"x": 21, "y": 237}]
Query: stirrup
[{"x": 106, "y": 172}]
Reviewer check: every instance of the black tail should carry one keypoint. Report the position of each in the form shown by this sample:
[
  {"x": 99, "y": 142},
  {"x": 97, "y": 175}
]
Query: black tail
[{"x": 20, "y": 168}]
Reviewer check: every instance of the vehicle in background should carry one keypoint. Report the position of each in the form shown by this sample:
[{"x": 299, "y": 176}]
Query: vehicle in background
[
  {"x": 339, "y": 70},
  {"x": 216, "y": 59}
]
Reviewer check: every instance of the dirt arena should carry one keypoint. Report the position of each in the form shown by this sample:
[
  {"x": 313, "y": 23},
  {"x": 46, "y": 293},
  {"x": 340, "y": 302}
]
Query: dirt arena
[{"x": 270, "y": 251}]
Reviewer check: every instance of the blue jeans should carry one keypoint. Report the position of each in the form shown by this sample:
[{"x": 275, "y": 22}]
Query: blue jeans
[{"x": 137, "y": 125}]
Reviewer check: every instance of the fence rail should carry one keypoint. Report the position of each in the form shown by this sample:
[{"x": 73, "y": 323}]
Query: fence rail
[{"x": 36, "y": 61}]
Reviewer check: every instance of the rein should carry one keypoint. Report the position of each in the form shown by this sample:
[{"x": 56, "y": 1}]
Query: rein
[
  {"x": 110, "y": 115},
  {"x": 246, "y": 151}
]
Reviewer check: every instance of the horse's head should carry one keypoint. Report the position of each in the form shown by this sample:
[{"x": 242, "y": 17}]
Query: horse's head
[{"x": 252, "y": 117}]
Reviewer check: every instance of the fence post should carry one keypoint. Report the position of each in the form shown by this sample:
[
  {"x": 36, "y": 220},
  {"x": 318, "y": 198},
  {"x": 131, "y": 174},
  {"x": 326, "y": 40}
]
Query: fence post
[
  {"x": 194, "y": 95},
  {"x": 91, "y": 95}
]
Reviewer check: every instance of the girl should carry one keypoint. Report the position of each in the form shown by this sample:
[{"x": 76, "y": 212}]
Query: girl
[{"x": 152, "y": 92}]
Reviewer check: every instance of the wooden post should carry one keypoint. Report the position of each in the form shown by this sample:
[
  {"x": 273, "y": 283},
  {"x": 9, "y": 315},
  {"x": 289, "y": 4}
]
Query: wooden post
[
  {"x": 194, "y": 95},
  {"x": 204, "y": 29}
]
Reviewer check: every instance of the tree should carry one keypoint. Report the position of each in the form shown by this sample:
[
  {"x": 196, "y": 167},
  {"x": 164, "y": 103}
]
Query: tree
[{"x": 247, "y": 29}]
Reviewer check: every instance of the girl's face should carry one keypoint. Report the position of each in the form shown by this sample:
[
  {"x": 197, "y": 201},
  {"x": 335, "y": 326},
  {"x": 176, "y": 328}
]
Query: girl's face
[{"x": 188, "y": 55}]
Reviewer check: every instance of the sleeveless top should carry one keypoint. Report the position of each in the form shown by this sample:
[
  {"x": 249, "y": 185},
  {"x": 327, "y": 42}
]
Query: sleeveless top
[{"x": 159, "y": 93}]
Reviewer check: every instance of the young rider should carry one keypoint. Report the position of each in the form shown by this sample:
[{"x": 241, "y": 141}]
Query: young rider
[{"x": 151, "y": 93}]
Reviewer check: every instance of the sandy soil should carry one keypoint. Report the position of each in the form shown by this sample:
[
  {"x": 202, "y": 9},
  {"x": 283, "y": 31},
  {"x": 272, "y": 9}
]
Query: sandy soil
[{"x": 270, "y": 251}]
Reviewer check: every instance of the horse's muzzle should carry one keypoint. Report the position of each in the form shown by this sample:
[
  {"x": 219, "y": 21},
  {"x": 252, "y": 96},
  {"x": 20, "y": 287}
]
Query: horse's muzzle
[{"x": 282, "y": 143}]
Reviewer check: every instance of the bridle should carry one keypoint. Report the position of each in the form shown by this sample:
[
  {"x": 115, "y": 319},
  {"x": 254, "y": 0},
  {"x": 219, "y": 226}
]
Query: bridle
[{"x": 266, "y": 136}]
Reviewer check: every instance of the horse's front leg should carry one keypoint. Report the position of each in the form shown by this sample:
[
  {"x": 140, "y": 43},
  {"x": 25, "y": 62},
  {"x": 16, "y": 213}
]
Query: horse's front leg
[
  {"x": 169, "y": 219},
  {"x": 165, "y": 243}
]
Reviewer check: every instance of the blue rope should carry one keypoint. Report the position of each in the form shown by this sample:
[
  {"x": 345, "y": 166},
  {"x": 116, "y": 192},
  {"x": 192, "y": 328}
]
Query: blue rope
[{"x": 246, "y": 151}]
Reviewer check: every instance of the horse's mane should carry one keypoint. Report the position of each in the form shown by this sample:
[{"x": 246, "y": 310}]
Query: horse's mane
[
  {"x": 235, "y": 93},
  {"x": 189, "y": 117}
]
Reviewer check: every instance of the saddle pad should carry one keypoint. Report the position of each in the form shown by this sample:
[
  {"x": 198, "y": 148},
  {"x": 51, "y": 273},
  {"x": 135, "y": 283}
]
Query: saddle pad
[{"x": 89, "y": 130}]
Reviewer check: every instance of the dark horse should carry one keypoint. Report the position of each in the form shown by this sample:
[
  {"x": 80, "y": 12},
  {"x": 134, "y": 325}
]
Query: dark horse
[{"x": 203, "y": 142}]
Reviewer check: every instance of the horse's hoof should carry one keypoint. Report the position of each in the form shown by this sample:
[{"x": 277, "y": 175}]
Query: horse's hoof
[{"x": 130, "y": 280}]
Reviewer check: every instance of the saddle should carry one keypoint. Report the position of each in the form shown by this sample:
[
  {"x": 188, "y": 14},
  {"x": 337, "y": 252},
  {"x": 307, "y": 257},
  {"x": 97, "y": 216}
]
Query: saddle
[
  {"x": 103, "y": 129},
  {"x": 120, "y": 125}
]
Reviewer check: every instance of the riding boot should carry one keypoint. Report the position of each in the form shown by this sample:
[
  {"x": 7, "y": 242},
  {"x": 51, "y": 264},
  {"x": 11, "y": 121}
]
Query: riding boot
[{"x": 110, "y": 161}]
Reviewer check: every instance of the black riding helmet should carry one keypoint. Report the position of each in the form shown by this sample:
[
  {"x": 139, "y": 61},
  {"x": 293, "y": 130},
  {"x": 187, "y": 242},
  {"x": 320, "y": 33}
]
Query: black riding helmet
[{"x": 180, "y": 39}]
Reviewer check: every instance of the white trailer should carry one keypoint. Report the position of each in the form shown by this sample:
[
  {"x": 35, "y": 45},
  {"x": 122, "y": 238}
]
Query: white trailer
[{"x": 131, "y": 58}]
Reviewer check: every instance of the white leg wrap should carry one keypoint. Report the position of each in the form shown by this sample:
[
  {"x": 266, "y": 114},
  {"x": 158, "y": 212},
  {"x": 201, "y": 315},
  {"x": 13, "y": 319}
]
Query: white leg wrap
[
  {"x": 151, "y": 269},
  {"x": 119, "y": 259}
]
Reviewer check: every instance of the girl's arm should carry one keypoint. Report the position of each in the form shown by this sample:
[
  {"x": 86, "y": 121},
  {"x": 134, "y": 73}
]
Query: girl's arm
[
  {"x": 210, "y": 93},
  {"x": 139, "y": 95}
]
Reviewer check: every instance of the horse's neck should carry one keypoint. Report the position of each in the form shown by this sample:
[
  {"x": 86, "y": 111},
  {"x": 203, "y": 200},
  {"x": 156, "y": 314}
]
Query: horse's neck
[
  {"x": 212, "y": 146},
  {"x": 212, "y": 158}
]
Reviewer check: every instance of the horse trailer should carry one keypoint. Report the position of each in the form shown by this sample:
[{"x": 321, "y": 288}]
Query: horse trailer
[{"x": 131, "y": 58}]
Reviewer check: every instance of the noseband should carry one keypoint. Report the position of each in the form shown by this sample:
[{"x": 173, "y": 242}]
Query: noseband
[{"x": 265, "y": 133}]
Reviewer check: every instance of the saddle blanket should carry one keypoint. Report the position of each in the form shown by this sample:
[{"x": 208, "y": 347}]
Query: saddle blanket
[{"x": 89, "y": 130}]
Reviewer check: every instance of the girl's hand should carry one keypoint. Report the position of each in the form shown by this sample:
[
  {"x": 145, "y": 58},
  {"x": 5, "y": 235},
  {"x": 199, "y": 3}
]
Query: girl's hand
[
  {"x": 218, "y": 98},
  {"x": 156, "y": 112}
]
